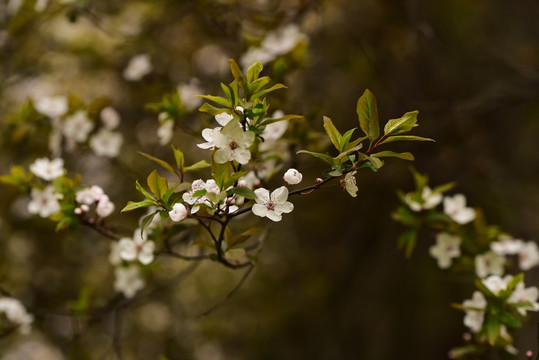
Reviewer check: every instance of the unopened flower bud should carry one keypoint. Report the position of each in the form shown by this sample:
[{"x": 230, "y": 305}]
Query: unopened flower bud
[
  {"x": 78, "y": 211},
  {"x": 178, "y": 212},
  {"x": 85, "y": 208},
  {"x": 292, "y": 177},
  {"x": 319, "y": 181}
]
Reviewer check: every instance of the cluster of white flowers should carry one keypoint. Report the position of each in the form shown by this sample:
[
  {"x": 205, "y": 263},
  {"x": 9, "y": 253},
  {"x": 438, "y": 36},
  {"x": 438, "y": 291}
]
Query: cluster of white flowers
[
  {"x": 76, "y": 128},
  {"x": 16, "y": 314},
  {"x": 45, "y": 201},
  {"x": 527, "y": 252},
  {"x": 275, "y": 43},
  {"x": 94, "y": 195},
  {"x": 123, "y": 255},
  {"x": 475, "y": 307}
]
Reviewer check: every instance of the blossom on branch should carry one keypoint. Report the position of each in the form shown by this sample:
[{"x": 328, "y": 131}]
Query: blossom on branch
[
  {"x": 428, "y": 200},
  {"x": 292, "y": 177},
  {"x": 489, "y": 263},
  {"x": 44, "y": 202},
  {"x": 447, "y": 247},
  {"x": 475, "y": 313},
  {"x": 178, "y": 213},
  {"x": 272, "y": 205},
  {"x": 456, "y": 208},
  {"x": 48, "y": 169},
  {"x": 16, "y": 314},
  {"x": 128, "y": 280},
  {"x": 138, "y": 248},
  {"x": 233, "y": 142}
]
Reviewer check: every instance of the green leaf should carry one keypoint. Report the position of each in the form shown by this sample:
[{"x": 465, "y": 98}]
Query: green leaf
[
  {"x": 163, "y": 163},
  {"x": 333, "y": 134},
  {"x": 349, "y": 151},
  {"x": 444, "y": 187},
  {"x": 253, "y": 71},
  {"x": 493, "y": 330},
  {"x": 210, "y": 109},
  {"x": 199, "y": 193},
  {"x": 401, "y": 125},
  {"x": 178, "y": 156},
  {"x": 241, "y": 238},
  {"x": 266, "y": 91},
  {"x": 228, "y": 93},
  {"x": 377, "y": 163},
  {"x": 143, "y": 191},
  {"x": 237, "y": 73},
  {"x": 407, "y": 241},
  {"x": 324, "y": 157},
  {"x": 202, "y": 164},
  {"x": 404, "y": 155},
  {"x": 405, "y": 217},
  {"x": 405, "y": 138},
  {"x": 219, "y": 173},
  {"x": 64, "y": 223},
  {"x": 243, "y": 191},
  {"x": 231, "y": 180},
  {"x": 343, "y": 144},
  {"x": 136, "y": 205},
  {"x": 259, "y": 84},
  {"x": 367, "y": 113},
  {"x": 509, "y": 319},
  {"x": 157, "y": 184},
  {"x": 146, "y": 221},
  {"x": 217, "y": 99}
]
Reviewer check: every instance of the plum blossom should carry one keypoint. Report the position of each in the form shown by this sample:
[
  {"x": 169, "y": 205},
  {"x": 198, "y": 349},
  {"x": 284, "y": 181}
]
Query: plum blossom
[
  {"x": 114, "y": 255},
  {"x": 110, "y": 118},
  {"x": 456, "y": 208},
  {"x": 292, "y": 177},
  {"x": 178, "y": 213},
  {"x": 44, "y": 202},
  {"x": 496, "y": 283},
  {"x": 528, "y": 255},
  {"x": 137, "y": 248},
  {"x": 506, "y": 246},
  {"x": 272, "y": 205},
  {"x": 447, "y": 247},
  {"x": 128, "y": 280},
  {"x": 429, "y": 200},
  {"x": 16, "y": 314},
  {"x": 52, "y": 107},
  {"x": 350, "y": 183},
  {"x": 48, "y": 169},
  {"x": 233, "y": 142},
  {"x": 489, "y": 263},
  {"x": 249, "y": 180},
  {"x": 89, "y": 195},
  {"x": 224, "y": 118},
  {"x": 106, "y": 143},
  {"x": 523, "y": 294},
  {"x": 138, "y": 67},
  {"x": 276, "y": 130},
  {"x": 210, "y": 186},
  {"x": 77, "y": 126},
  {"x": 475, "y": 314},
  {"x": 104, "y": 207},
  {"x": 236, "y": 256},
  {"x": 208, "y": 135},
  {"x": 189, "y": 93}
]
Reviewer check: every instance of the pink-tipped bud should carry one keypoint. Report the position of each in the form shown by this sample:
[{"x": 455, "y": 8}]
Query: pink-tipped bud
[
  {"x": 319, "y": 181},
  {"x": 292, "y": 177}
]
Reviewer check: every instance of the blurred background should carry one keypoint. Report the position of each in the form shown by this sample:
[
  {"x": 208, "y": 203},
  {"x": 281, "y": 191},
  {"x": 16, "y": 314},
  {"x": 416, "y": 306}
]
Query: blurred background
[{"x": 330, "y": 282}]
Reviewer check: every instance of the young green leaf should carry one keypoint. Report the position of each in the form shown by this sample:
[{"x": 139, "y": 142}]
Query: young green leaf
[
  {"x": 163, "y": 163},
  {"x": 237, "y": 73},
  {"x": 404, "y": 155},
  {"x": 253, "y": 71},
  {"x": 405, "y": 138},
  {"x": 367, "y": 113},
  {"x": 243, "y": 191},
  {"x": 266, "y": 91},
  {"x": 210, "y": 109},
  {"x": 146, "y": 221},
  {"x": 217, "y": 99},
  {"x": 324, "y": 157},
  {"x": 178, "y": 156},
  {"x": 143, "y": 191},
  {"x": 401, "y": 125},
  {"x": 157, "y": 184},
  {"x": 131, "y": 205},
  {"x": 332, "y": 132},
  {"x": 202, "y": 164}
]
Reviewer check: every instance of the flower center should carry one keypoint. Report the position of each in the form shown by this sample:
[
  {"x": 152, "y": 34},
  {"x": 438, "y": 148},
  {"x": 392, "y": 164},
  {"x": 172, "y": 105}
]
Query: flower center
[
  {"x": 233, "y": 145},
  {"x": 270, "y": 205}
]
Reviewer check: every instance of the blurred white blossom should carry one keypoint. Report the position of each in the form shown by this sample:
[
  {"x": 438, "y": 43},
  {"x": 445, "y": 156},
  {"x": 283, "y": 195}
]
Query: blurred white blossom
[
  {"x": 16, "y": 313},
  {"x": 447, "y": 247},
  {"x": 106, "y": 143},
  {"x": 51, "y": 106},
  {"x": 189, "y": 94},
  {"x": 48, "y": 169},
  {"x": 528, "y": 255},
  {"x": 456, "y": 208},
  {"x": 44, "y": 202},
  {"x": 522, "y": 294},
  {"x": 138, "y": 66},
  {"x": 475, "y": 314},
  {"x": 128, "y": 280},
  {"x": 489, "y": 263},
  {"x": 429, "y": 200},
  {"x": 506, "y": 246},
  {"x": 138, "y": 248},
  {"x": 110, "y": 118},
  {"x": 77, "y": 126}
]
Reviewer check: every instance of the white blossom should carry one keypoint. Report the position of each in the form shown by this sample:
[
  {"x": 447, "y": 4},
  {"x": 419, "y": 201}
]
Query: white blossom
[
  {"x": 44, "y": 202},
  {"x": 138, "y": 66},
  {"x": 236, "y": 256},
  {"x": 208, "y": 135},
  {"x": 350, "y": 183},
  {"x": 276, "y": 130},
  {"x": 233, "y": 142},
  {"x": 77, "y": 126},
  {"x": 89, "y": 195},
  {"x": 254, "y": 54},
  {"x": 16, "y": 314},
  {"x": 429, "y": 200},
  {"x": 137, "y": 248},
  {"x": 522, "y": 294},
  {"x": 249, "y": 180},
  {"x": 447, "y": 247},
  {"x": 506, "y": 246},
  {"x": 128, "y": 280},
  {"x": 283, "y": 40},
  {"x": 52, "y": 107},
  {"x": 189, "y": 93},
  {"x": 489, "y": 263},
  {"x": 110, "y": 118},
  {"x": 210, "y": 186},
  {"x": 475, "y": 315},
  {"x": 456, "y": 208},
  {"x": 104, "y": 207},
  {"x": 178, "y": 213},
  {"x": 496, "y": 283},
  {"x": 48, "y": 169},
  {"x": 272, "y": 205},
  {"x": 224, "y": 118},
  {"x": 292, "y": 177},
  {"x": 165, "y": 132},
  {"x": 528, "y": 256},
  {"x": 106, "y": 143}
]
